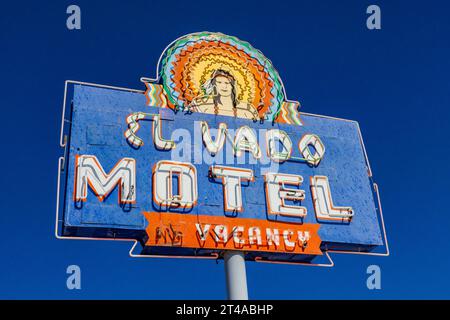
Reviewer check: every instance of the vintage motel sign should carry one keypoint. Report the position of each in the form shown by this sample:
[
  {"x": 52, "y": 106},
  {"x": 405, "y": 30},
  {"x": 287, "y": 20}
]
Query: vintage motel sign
[{"x": 212, "y": 156}]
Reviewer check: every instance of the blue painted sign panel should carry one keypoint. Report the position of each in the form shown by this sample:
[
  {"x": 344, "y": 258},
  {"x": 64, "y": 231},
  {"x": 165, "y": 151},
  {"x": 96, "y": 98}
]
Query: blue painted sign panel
[{"x": 98, "y": 126}]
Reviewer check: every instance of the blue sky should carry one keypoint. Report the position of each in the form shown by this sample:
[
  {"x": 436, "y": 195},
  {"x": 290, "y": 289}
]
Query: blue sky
[{"x": 393, "y": 81}]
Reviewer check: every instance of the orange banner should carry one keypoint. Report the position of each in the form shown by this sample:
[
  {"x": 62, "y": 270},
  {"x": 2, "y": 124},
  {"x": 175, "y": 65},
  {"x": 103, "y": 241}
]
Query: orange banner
[{"x": 222, "y": 233}]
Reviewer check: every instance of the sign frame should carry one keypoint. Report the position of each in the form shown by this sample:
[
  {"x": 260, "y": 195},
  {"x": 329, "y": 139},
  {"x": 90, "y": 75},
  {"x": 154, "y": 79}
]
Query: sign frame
[{"x": 62, "y": 165}]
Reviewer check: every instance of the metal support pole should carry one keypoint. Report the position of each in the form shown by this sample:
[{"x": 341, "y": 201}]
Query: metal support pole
[{"x": 235, "y": 275}]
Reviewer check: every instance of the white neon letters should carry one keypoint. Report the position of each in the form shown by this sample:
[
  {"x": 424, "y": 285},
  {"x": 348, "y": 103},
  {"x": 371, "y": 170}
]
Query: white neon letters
[
  {"x": 312, "y": 140},
  {"x": 254, "y": 236},
  {"x": 175, "y": 182},
  {"x": 245, "y": 140},
  {"x": 323, "y": 203},
  {"x": 175, "y": 185},
  {"x": 164, "y": 173},
  {"x": 277, "y": 193},
  {"x": 89, "y": 172},
  {"x": 271, "y": 137},
  {"x": 213, "y": 146},
  {"x": 160, "y": 143},
  {"x": 231, "y": 180},
  {"x": 133, "y": 127},
  {"x": 273, "y": 236}
]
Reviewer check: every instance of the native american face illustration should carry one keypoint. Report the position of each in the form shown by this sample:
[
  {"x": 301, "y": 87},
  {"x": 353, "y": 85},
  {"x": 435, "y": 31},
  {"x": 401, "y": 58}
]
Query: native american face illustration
[{"x": 220, "y": 97}]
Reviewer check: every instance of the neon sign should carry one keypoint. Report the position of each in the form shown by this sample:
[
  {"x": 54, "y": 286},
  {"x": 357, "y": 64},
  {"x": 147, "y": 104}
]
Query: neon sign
[{"x": 212, "y": 156}]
